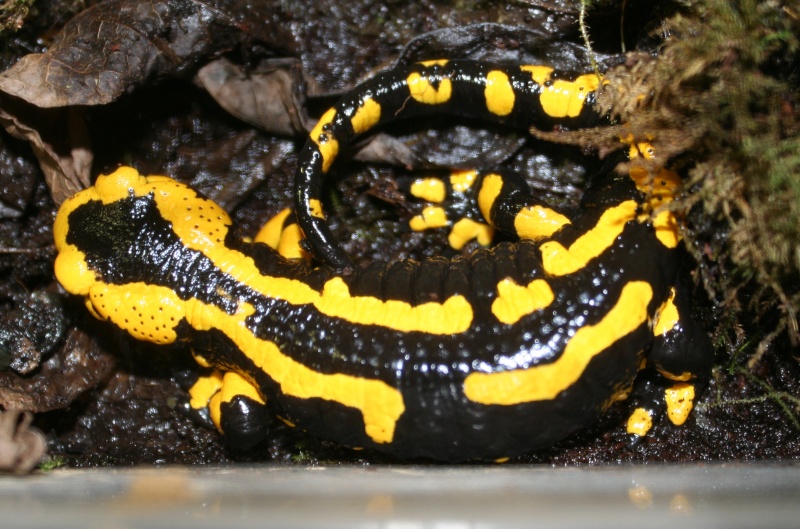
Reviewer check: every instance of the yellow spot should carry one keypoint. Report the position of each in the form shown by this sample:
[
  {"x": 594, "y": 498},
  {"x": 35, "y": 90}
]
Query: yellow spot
[
  {"x": 667, "y": 316},
  {"x": 667, "y": 230},
  {"x": 644, "y": 149},
  {"x": 540, "y": 74},
  {"x": 501, "y": 460},
  {"x": 514, "y": 302},
  {"x": 451, "y": 317},
  {"x": 431, "y": 217},
  {"x": 490, "y": 189},
  {"x": 285, "y": 240},
  {"x": 234, "y": 385},
  {"x": 538, "y": 222},
  {"x": 423, "y": 91},
  {"x": 270, "y": 233},
  {"x": 680, "y": 401},
  {"x": 434, "y": 62},
  {"x": 621, "y": 392},
  {"x": 315, "y": 207},
  {"x": 231, "y": 385},
  {"x": 660, "y": 189},
  {"x": 289, "y": 245},
  {"x": 70, "y": 266},
  {"x": 546, "y": 381},
  {"x": 429, "y": 189},
  {"x": 215, "y": 411},
  {"x": 200, "y": 359},
  {"x": 466, "y": 230},
  {"x": 640, "y": 422},
  {"x": 498, "y": 93},
  {"x": 327, "y": 144},
  {"x": 562, "y": 98},
  {"x": 367, "y": 115},
  {"x": 463, "y": 180},
  {"x": 201, "y": 391},
  {"x": 125, "y": 180},
  {"x": 559, "y": 261}
]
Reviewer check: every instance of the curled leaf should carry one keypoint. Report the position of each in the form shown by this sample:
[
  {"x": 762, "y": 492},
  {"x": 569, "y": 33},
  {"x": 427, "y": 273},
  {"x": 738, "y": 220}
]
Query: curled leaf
[
  {"x": 114, "y": 46},
  {"x": 108, "y": 50},
  {"x": 267, "y": 96},
  {"x": 21, "y": 445}
]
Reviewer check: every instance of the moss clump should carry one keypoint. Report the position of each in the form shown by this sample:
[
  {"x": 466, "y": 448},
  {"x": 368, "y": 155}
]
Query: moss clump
[
  {"x": 13, "y": 14},
  {"x": 721, "y": 101}
]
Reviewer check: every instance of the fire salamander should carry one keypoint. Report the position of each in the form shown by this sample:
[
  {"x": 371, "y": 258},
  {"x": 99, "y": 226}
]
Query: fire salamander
[{"x": 481, "y": 357}]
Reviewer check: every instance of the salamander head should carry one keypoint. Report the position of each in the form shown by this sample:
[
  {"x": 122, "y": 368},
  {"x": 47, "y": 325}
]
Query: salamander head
[
  {"x": 74, "y": 229},
  {"x": 127, "y": 246}
]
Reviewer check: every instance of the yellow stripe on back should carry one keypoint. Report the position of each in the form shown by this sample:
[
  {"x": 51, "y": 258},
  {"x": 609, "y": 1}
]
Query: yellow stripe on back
[
  {"x": 558, "y": 260},
  {"x": 546, "y": 381},
  {"x": 203, "y": 226},
  {"x": 131, "y": 306}
]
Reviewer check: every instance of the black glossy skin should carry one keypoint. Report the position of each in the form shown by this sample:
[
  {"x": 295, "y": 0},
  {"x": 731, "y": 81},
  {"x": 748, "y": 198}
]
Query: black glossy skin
[
  {"x": 429, "y": 370},
  {"x": 130, "y": 241}
]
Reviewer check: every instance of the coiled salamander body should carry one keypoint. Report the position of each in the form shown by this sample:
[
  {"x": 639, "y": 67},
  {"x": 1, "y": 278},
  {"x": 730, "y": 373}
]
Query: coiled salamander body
[{"x": 488, "y": 356}]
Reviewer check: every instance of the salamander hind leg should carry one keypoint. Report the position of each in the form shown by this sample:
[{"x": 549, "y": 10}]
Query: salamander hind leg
[
  {"x": 679, "y": 364},
  {"x": 447, "y": 201},
  {"x": 231, "y": 404},
  {"x": 473, "y": 205}
]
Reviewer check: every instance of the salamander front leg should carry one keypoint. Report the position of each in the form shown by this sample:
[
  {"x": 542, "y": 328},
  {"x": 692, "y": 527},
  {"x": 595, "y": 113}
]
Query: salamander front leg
[{"x": 232, "y": 405}]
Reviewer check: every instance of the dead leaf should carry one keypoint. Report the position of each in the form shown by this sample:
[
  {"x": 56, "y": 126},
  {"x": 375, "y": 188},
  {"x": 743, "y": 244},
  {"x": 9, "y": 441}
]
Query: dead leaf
[
  {"x": 267, "y": 97},
  {"x": 21, "y": 445},
  {"x": 116, "y": 45},
  {"x": 106, "y": 51},
  {"x": 59, "y": 140}
]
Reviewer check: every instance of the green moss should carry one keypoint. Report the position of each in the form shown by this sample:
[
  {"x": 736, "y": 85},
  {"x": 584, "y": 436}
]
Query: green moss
[
  {"x": 13, "y": 14},
  {"x": 721, "y": 101}
]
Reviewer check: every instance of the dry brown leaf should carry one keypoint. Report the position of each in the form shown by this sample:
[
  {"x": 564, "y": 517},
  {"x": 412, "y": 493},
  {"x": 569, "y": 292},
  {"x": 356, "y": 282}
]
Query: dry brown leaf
[
  {"x": 21, "y": 445},
  {"x": 266, "y": 97},
  {"x": 105, "y": 51}
]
